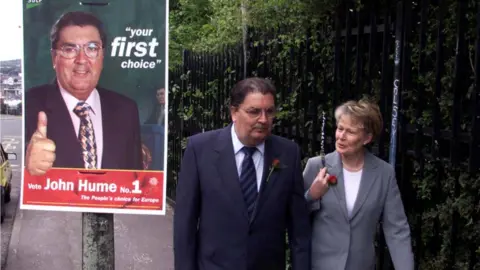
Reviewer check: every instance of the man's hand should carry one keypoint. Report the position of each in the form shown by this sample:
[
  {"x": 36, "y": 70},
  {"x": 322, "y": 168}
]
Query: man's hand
[
  {"x": 40, "y": 151},
  {"x": 320, "y": 185}
]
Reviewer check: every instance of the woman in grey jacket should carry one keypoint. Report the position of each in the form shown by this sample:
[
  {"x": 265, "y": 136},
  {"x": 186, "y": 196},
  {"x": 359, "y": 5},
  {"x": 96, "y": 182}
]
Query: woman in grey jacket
[{"x": 363, "y": 192}]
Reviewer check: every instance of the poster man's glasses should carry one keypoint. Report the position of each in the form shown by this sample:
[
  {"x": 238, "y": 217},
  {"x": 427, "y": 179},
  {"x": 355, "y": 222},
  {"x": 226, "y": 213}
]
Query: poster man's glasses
[{"x": 70, "y": 51}]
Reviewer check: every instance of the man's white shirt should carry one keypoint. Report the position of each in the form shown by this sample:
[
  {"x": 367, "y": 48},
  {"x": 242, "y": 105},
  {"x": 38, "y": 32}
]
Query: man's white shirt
[{"x": 258, "y": 156}]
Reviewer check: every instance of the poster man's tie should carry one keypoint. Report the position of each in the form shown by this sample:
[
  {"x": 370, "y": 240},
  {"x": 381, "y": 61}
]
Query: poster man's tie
[
  {"x": 86, "y": 136},
  {"x": 248, "y": 179}
]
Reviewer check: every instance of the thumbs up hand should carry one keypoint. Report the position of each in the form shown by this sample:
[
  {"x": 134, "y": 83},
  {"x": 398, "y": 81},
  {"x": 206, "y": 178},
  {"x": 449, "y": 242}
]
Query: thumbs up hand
[{"x": 40, "y": 151}]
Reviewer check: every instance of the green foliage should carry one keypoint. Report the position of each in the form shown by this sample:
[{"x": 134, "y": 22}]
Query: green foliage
[
  {"x": 445, "y": 191},
  {"x": 203, "y": 25},
  {"x": 212, "y": 25},
  {"x": 292, "y": 15}
]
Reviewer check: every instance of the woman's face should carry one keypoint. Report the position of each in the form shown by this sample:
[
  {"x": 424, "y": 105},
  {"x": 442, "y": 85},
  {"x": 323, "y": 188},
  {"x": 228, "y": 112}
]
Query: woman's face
[{"x": 350, "y": 136}]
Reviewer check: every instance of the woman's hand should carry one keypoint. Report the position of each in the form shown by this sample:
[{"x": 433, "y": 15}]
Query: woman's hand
[{"x": 320, "y": 185}]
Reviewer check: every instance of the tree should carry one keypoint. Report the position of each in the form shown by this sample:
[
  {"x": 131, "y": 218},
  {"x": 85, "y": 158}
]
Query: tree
[{"x": 211, "y": 25}]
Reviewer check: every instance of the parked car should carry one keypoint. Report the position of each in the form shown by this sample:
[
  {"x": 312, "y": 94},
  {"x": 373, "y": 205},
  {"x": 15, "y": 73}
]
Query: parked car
[{"x": 5, "y": 178}]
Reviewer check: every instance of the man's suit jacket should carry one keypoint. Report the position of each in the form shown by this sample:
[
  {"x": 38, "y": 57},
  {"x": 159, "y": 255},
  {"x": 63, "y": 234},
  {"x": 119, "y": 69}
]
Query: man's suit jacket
[
  {"x": 342, "y": 242},
  {"x": 212, "y": 230},
  {"x": 120, "y": 120}
]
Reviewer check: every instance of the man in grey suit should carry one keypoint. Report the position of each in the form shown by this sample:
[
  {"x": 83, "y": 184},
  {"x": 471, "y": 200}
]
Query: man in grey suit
[{"x": 346, "y": 214}]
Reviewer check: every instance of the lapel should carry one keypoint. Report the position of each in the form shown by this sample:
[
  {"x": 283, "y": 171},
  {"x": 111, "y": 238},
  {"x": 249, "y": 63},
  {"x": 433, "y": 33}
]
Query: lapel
[
  {"x": 227, "y": 169},
  {"x": 110, "y": 132},
  {"x": 271, "y": 153},
  {"x": 366, "y": 182},
  {"x": 335, "y": 167},
  {"x": 61, "y": 130}
]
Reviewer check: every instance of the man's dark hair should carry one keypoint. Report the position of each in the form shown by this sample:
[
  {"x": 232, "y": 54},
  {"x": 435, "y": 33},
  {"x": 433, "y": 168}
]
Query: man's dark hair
[
  {"x": 76, "y": 18},
  {"x": 250, "y": 85}
]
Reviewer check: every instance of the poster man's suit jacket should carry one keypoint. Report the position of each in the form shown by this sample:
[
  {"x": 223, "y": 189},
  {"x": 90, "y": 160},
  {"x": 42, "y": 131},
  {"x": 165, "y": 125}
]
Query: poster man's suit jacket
[{"x": 120, "y": 120}]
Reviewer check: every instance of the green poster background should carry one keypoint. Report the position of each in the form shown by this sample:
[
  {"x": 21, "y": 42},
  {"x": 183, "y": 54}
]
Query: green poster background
[{"x": 139, "y": 84}]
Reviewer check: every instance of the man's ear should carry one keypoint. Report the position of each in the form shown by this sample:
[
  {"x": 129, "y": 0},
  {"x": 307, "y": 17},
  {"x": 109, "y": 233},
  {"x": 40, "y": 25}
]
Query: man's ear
[
  {"x": 52, "y": 55},
  {"x": 233, "y": 113}
]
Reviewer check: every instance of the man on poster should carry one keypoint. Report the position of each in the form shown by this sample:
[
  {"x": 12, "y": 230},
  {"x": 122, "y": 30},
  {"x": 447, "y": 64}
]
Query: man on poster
[
  {"x": 239, "y": 190},
  {"x": 73, "y": 123}
]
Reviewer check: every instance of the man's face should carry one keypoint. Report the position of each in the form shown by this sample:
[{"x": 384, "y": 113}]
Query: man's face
[
  {"x": 80, "y": 74},
  {"x": 161, "y": 96},
  {"x": 253, "y": 118}
]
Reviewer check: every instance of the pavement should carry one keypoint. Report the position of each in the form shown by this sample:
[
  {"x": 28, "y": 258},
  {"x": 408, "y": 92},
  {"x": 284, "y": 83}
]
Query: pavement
[
  {"x": 50, "y": 240},
  {"x": 44, "y": 240},
  {"x": 9, "y": 117}
]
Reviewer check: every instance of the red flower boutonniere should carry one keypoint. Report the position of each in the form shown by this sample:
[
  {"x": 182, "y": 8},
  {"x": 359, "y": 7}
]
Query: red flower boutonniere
[
  {"x": 275, "y": 166},
  {"x": 332, "y": 180}
]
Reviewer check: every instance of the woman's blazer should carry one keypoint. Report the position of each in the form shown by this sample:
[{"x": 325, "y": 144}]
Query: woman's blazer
[{"x": 346, "y": 242}]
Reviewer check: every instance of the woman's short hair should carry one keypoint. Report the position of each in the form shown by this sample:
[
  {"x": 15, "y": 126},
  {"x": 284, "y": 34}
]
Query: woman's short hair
[{"x": 364, "y": 113}]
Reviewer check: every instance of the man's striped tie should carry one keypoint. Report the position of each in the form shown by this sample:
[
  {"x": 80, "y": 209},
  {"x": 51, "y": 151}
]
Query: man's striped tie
[
  {"x": 248, "y": 179},
  {"x": 86, "y": 136}
]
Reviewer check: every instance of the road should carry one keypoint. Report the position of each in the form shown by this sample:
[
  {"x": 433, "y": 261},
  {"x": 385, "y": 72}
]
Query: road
[
  {"x": 44, "y": 240},
  {"x": 10, "y": 137}
]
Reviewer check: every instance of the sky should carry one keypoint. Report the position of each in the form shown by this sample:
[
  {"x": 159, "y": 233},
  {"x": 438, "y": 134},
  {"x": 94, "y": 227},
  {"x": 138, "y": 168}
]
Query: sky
[{"x": 11, "y": 32}]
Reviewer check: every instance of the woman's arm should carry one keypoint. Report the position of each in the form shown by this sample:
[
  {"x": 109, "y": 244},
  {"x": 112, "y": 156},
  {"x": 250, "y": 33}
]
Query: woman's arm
[
  {"x": 396, "y": 228},
  {"x": 309, "y": 173}
]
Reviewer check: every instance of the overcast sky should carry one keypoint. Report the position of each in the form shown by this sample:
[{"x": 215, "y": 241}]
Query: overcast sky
[{"x": 11, "y": 33}]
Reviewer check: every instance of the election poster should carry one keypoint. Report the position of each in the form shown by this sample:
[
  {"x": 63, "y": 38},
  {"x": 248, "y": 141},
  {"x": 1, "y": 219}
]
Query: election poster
[{"x": 95, "y": 106}]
